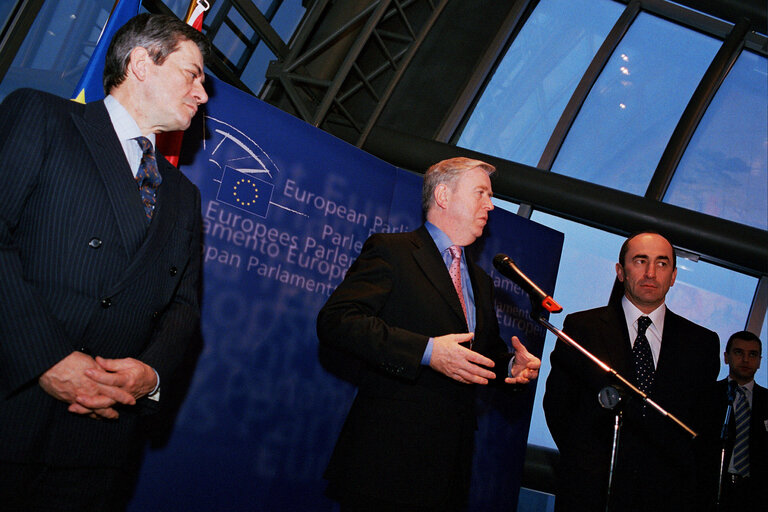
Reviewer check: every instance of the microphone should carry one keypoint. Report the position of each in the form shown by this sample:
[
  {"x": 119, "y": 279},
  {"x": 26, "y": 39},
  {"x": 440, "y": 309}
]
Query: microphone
[{"x": 507, "y": 267}]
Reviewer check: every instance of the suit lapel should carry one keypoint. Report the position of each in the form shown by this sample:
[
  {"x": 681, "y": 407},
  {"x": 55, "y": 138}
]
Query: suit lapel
[
  {"x": 616, "y": 341},
  {"x": 670, "y": 344},
  {"x": 107, "y": 153},
  {"x": 160, "y": 229},
  {"x": 431, "y": 263}
]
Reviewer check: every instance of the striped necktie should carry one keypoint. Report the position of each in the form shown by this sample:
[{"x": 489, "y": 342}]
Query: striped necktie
[{"x": 741, "y": 445}]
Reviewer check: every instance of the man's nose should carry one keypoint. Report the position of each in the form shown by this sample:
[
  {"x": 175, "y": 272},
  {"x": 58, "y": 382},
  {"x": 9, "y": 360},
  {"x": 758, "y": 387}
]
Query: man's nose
[{"x": 199, "y": 93}]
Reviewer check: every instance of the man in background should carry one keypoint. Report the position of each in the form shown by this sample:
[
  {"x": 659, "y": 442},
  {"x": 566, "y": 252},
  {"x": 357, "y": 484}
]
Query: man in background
[
  {"x": 418, "y": 313},
  {"x": 99, "y": 270},
  {"x": 668, "y": 357},
  {"x": 745, "y": 475}
]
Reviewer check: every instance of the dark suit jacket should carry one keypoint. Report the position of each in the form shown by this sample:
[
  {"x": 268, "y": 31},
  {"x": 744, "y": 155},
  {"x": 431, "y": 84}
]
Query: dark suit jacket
[
  {"x": 408, "y": 437},
  {"x": 758, "y": 441},
  {"x": 656, "y": 469},
  {"x": 80, "y": 270}
]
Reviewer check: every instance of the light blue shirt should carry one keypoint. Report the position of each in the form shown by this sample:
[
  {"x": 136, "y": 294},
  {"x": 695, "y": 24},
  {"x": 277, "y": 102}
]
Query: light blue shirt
[
  {"x": 443, "y": 243},
  {"x": 127, "y": 130}
]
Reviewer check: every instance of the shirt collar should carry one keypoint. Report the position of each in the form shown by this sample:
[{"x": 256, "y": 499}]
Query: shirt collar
[
  {"x": 748, "y": 386},
  {"x": 441, "y": 239},
  {"x": 632, "y": 313},
  {"x": 124, "y": 124}
]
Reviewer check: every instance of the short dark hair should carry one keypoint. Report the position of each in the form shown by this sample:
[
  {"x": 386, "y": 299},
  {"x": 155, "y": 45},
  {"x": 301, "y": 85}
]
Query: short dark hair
[
  {"x": 160, "y": 34},
  {"x": 625, "y": 246},
  {"x": 743, "y": 335}
]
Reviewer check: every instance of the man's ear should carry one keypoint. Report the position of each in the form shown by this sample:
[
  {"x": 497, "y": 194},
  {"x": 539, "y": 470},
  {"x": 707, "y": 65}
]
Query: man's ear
[
  {"x": 620, "y": 272},
  {"x": 138, "y": 63},
  {"x": 441, "y": 195}
]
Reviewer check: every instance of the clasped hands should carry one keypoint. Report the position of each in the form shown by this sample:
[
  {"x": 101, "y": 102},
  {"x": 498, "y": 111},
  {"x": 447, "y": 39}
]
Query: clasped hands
[
  {"x": 461, "y": 364},
  {"x": 93, "y": 386}
]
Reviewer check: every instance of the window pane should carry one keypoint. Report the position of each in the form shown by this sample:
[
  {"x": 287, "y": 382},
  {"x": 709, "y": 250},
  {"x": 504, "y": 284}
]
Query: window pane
[
  {"x": 57, "y": 46},
  {"x": 532, "y": 85},
  {"x": 724, "y": 171},
  {"x": 287, "y": 18},
  {"x": 5, "y": 11},
  {"x": 717, "y": 298},
  {"x": 229, "y": 44},
  {"x": 584, "y": 281},
  {"x": 628, "y": 117},
  {"x": 254, "y": 74}
]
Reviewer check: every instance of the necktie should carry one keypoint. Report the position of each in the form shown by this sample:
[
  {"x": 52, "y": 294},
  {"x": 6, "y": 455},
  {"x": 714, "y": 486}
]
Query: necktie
[
  {"x": 741, "y": 446},
  {"x": 148, "y": 178},
  {"x": 642, "y": 357},
  {"x": 455, "y": 272}
]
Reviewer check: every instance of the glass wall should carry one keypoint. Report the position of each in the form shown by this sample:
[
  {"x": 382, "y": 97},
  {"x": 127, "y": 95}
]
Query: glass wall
[
  {"x": 521, "y": 105},
  {"x": 625, "y": 123},
  {"x": 724, "y": 171},
  {"x": 64, "y": 33},
  {"x": 57, "y": 46},
  {"x": 617, "y": 140}
]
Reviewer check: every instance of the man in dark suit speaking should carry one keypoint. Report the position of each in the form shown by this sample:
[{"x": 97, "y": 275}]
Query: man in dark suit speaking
[
  {"x": 668, "y": 357},
  {"x": 419, "y": 315},
  {"x": 99, "y": 269}
]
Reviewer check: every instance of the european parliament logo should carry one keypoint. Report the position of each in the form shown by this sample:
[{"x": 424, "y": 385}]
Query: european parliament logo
[{"x": 245, "y": 192}]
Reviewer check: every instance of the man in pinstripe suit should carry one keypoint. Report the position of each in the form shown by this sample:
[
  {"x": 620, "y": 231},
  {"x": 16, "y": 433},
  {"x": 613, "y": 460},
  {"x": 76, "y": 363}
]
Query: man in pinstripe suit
[{"x": 98, "y": 295}]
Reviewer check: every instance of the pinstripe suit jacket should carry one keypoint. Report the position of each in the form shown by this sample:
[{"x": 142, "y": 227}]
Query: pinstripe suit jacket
[{"x": 79, "y": 269}]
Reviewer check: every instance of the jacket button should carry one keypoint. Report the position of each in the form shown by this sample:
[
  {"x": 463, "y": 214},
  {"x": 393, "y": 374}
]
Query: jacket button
[
  {"x": 105, "y": 303},
  {"x": 174, "y": 271},
  {"x": 94, "y": 243},
  {"x": 155, "y": 314}
]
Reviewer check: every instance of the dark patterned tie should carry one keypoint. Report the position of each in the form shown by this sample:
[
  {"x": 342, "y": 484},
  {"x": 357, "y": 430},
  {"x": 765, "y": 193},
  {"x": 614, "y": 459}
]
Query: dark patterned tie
[
  {"x": 642, "y": 356},
  {"x": 741, "y": 446},
  {"x": 148, "y": 178}
]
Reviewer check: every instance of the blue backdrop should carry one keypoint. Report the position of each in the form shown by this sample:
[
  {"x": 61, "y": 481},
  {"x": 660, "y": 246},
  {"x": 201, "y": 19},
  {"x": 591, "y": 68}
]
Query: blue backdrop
[{"x": 286, "y": 209}]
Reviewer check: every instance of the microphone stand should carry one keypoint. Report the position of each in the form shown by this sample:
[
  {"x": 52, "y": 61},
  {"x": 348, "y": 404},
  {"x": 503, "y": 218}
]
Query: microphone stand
[
  {"x": 724, "y": 435},
  {"x": 611, "y": 398}
]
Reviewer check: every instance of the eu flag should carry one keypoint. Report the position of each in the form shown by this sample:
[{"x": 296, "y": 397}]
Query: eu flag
[
  {"x": 90, "y": 87},
  {"x": 244, "y": 191}
]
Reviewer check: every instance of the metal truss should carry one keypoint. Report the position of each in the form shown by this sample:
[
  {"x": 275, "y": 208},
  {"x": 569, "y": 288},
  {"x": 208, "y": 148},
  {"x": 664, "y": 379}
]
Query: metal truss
[{"x": 387, "y": 35}]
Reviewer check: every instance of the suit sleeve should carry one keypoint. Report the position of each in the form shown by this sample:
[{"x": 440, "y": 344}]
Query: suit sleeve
[
  {"x": 352, "y": 321},
  {"x": 31, "y": 340},
  {"x": 562, "y": 387}
]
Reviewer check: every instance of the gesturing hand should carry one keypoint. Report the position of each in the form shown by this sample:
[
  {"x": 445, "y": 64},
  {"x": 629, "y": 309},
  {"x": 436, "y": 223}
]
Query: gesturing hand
[
  {"x": 526, "y": 365},
  {"x": 460, "y": 363}
]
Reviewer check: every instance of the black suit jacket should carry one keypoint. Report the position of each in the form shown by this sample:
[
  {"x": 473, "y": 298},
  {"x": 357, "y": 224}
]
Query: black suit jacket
[
  {"x": 80, "y": 270},
  {"x": 408, "y": 437},
  {"x": 758, "y": 442},
  {"x": 657, "y": 462}
]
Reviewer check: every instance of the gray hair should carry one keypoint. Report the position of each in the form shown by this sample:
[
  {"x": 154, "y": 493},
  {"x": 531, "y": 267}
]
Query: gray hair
[
  {"x": 160, "y": 34},
  {"x": 448, "y": 171}
]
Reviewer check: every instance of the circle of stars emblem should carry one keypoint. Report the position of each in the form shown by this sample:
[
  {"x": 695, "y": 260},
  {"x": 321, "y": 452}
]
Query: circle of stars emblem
[{"x": 247, "y": 185}]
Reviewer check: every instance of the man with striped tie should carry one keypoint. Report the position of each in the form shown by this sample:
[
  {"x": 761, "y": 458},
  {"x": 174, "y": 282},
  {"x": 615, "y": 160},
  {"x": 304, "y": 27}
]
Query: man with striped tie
[
  {"x": 745, "y": 475},
  {"x": 99, "y": 270}
]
